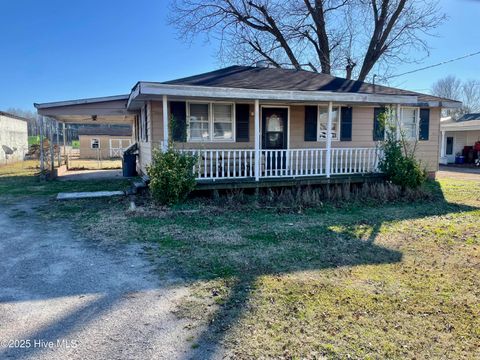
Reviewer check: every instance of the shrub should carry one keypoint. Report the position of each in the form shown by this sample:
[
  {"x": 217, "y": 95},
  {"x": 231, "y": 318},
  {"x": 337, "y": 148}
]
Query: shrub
[
  {"x": 171, "y": 176},
  {"x": 399, "y": 163}
]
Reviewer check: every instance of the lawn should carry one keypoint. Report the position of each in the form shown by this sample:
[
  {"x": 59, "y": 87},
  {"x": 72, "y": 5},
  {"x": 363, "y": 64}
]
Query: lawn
[
  {"x": 359, "y": 280},
  {"x": 17, "y": 180}
]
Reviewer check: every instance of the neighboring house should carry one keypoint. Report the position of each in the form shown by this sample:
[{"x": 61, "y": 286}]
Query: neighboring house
[
  {"x": 13, "y": 137},
  {"x": 459, "y": 138},
  {"x": 104, "y": 142},
  {"x": 258, "y": 125}
]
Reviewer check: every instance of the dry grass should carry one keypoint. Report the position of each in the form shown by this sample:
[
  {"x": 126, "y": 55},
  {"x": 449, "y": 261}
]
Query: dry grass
[{"x": 359, "y": 279}]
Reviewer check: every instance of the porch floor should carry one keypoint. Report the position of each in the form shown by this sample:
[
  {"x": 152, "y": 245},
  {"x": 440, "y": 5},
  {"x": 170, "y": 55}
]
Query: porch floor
[{"x": 249, "y": 183}]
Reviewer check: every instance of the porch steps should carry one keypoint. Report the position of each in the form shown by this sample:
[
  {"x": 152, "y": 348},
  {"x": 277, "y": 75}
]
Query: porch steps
[
  {"x": 139, "y": 186},
  {"x": 88, "y": 195}
]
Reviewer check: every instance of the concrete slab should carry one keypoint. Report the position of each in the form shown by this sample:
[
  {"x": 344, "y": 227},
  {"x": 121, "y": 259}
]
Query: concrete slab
[
  {"x": 88, "y": 194},
  {"x": 90, "y": 175}
]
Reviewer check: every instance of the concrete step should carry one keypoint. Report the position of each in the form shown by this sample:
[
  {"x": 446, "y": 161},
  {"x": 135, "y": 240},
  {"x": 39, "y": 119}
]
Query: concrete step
[{"x": 88, "y": 195}]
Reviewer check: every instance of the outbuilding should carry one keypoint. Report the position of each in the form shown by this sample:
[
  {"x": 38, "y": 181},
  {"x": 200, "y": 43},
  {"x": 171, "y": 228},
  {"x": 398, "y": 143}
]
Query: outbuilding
[{"x": 13, "y": 137}]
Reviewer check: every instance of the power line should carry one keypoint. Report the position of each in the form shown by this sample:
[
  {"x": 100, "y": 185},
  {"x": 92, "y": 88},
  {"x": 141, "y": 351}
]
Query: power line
[{"x": 435, "y": 65}]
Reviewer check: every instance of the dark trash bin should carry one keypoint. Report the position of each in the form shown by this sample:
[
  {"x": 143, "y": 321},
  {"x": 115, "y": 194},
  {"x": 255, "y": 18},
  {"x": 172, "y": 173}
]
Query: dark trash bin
[{"x": 129, "y": 165}]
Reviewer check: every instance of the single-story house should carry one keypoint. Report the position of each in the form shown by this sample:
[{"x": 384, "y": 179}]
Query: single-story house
[
  {"x": 255, "y": 125},
  {"x": 104, "y": 142},
  {"x": 13, "y": 137},
  {"x": 459, "y": 138}
]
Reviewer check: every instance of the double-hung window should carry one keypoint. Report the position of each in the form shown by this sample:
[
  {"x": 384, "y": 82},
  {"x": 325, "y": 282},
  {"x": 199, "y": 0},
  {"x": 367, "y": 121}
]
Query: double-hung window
[
  {"x": 323, "y": 123},
  {"x": 210, "y": 122},
  {"x": 95, "y": 144},
  {"x": 409, "y": 123}
]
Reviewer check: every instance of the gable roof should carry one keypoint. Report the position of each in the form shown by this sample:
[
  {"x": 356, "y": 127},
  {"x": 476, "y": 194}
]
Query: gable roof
[
  {"x": 265, "y": 78},
  {"x": 110, "y": 131}
]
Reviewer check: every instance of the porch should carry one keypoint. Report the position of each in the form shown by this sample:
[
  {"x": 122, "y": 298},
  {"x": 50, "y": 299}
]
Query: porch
[{"x": 213, "y": 165}]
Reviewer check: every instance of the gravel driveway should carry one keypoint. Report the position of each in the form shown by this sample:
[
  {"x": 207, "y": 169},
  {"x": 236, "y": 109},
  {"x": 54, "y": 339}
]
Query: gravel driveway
[{"x": 89, "y": 302}]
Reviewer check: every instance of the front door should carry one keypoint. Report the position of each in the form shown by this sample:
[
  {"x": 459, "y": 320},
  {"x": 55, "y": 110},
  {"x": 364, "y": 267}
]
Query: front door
[{"x": 274, "y": 138}]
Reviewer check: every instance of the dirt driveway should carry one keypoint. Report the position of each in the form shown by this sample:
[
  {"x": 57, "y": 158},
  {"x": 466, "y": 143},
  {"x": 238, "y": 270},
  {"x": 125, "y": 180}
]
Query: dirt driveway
[
  {"x": 451, "y": 172},
  {"x": 89, "y": 302}
]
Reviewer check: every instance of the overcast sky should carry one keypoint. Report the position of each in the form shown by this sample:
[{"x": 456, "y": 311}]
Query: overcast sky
[{"x": 57, "y": 50}]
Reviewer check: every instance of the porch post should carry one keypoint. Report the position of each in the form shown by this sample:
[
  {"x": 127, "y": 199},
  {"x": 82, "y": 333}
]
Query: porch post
[
  {"x": 257, "y": 140},
  {"x": 328, "y": 160},
  {"x": 397, "y": 127},
  {"x": 42, "y": 165},
  {"x": 165, "y": 123}
]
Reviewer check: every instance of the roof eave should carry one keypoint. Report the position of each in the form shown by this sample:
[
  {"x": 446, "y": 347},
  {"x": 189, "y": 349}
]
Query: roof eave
[{"x": 159, "y": 89}]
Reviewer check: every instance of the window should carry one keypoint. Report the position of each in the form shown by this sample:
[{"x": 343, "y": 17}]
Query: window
[
  {"x": 409, "y": 122},
  {"x": 95, "y": 144},
  {"x": 199, "y": 123},
  {"x": 323, "y": 123},
  {"x": 144, "y": 115},
  {"x": 222, "y": 122},
  {"x": 210, "y": 122}
]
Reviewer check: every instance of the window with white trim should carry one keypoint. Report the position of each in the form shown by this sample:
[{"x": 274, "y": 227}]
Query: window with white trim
[
  {"x": 210, "y": 121},
  {"x": 94, "y": 144},
  {"x": 409, "y": 123},
  {"x": 322, "y": 123}
]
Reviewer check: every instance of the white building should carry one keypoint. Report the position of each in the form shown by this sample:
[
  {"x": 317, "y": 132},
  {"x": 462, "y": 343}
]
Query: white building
[
  {"x": 13, "y": 137},
  {"x": 456, "y": 135}
]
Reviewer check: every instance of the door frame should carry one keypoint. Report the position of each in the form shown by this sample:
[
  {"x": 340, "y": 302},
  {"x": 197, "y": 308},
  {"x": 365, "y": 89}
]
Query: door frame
[
  {"x": 450, "y": 157},
  {"x": 270, "y": 106}
]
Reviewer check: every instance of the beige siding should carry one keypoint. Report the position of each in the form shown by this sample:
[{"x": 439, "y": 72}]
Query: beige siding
[
  {"x": 145, "y": 147},
  {"x": 86, "y": 151},
  {"x": 362, "y": 133}
]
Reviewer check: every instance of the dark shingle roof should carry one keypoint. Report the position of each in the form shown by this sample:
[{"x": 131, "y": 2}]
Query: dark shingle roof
[
  {"x": 264, "y": 78},
  {"x": 111, "y": 131},
  {"x": 470, "y": 117}
]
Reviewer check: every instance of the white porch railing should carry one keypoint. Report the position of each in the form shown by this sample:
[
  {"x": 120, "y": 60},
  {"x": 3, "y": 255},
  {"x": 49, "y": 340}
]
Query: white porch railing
[{"x": 213, "y": 164}]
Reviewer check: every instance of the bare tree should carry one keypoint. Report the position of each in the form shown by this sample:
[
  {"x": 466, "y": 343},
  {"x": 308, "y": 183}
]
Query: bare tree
[
  {"x": 468, "y": 92},
  {"x": 329, "y": 36}
]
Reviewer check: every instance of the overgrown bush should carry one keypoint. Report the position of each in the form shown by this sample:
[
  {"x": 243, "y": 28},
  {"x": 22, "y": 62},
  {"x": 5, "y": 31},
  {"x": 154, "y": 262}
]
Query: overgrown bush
[
  {"x": 171, "y": 176},
  {"x": 399, "y": 163}
]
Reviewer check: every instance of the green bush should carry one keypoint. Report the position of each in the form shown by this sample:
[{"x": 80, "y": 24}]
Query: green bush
[
  {"x": 399, "y": 163},
  {"x": 171, "y": 176}
]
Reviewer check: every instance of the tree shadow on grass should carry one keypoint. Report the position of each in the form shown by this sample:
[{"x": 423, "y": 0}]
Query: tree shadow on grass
[{"x": 346, "y": 240}]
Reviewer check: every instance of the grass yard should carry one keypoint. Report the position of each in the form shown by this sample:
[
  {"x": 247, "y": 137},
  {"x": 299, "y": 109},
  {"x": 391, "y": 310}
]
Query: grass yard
[
  {"x": 17, "y": 180},
  {"x": 361, "y": 281}
]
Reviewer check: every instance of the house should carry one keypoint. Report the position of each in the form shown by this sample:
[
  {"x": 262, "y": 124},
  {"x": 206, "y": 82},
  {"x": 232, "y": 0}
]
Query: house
[
  {"x": 101, "y": 142},
  {"x": 459, "y": 138},
  {"x": 263, "y": 125},
  {"x": 13, "y": 137}
]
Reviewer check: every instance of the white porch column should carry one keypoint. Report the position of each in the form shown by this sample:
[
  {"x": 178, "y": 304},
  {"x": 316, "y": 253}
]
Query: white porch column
[
  {"x": 257, "y": 140},
  {"x": 165, "y": 123},
  {"x": 328, "y": 161},
  {"x": 398, "y": 120}
]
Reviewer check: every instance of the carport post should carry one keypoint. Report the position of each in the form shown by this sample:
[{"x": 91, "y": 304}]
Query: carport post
[
  {"x": 52, "y": 152},
  {"x": 58, "y": 145},
  {"x": 65, "y": 145},
  {"x": 42, "y": 165}
]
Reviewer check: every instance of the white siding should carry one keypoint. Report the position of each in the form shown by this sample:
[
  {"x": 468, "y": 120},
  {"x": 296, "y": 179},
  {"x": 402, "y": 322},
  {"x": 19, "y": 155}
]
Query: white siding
[{"x": 14, "y": 136}]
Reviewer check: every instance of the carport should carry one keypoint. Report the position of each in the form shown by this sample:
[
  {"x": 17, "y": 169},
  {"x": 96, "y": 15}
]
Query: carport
[{"x": 91, "y": 111}]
